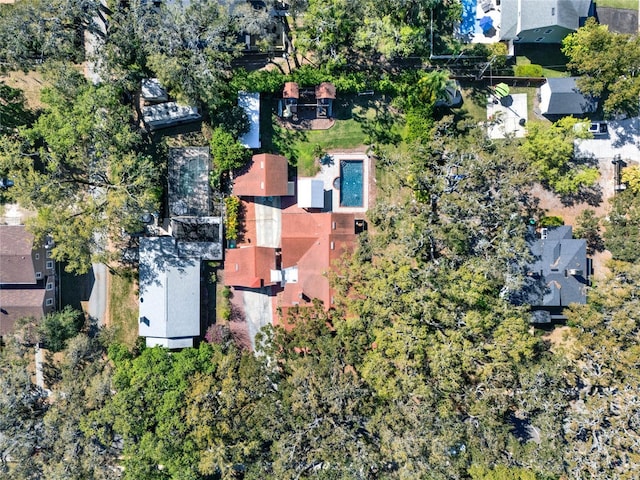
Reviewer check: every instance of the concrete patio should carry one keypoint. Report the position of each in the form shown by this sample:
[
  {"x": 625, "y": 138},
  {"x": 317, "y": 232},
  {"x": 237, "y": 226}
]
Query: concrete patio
[{"x": 507, "y": 116}]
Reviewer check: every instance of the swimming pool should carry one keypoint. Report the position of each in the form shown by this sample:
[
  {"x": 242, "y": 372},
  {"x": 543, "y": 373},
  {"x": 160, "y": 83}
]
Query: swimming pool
[
  {"x": 468, "y": 23},
  {"x": 351, "y": 183}
]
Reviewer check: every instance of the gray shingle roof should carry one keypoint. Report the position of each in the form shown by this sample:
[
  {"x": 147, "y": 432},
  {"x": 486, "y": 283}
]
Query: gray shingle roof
[
  {"x": 558, "y": 276},
  {"x": 561, "y": 96}
]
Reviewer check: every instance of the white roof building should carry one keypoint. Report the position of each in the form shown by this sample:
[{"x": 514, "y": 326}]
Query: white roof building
[
  {"x": 310, "y": 193},
  {"x": 169, "y": 303},
  {"x": 152, "y": 91},
  {"x": 250, "y": 102}
]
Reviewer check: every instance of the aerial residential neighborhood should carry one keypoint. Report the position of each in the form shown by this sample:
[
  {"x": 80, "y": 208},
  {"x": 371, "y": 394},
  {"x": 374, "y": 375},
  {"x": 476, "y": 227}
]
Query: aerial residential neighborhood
[{"x": 254, "y": 239}]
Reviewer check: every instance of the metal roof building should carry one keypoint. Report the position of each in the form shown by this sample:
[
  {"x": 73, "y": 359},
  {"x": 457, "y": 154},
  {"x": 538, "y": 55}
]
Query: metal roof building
[
  {"x": 250, "y": 102},
  {"x": 169, "y": 301}
]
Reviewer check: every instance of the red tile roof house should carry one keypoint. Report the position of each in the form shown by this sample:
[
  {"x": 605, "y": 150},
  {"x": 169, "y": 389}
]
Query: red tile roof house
[
  {"x": 267, "y": 176},
  {"x": 27, "y": 278},
  {"x": 249, "y": 267},
  {"x": 310, "y": 244}
]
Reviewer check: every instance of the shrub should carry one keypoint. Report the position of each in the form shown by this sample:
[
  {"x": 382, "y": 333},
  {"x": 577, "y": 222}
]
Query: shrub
[
  {"x": 271, "y": 81},
  {"x": 58, "y": 327},
  {"x": 551, "y": 221},
  {"x": 532, "y": 70},
  {"x": 232, "y": 205}
]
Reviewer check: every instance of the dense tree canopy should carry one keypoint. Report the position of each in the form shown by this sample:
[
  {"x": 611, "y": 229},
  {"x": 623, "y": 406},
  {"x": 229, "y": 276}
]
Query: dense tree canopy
[
  {"x": 84, "y": 168},
  {"x": 423, "y": 368},
  {"x": 608, "y": 65},
  {"x": 356, "y": 32},
  {"x": 551, "y": 153}
]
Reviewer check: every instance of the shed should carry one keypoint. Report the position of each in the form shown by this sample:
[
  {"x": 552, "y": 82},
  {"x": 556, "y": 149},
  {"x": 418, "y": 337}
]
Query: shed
[
  {"x": 310, "y": 193},
  {"x": 325, "y": 95},
  {"x": 168, "y": 114},
  {"x": 250, "y": 102},
  {"x": 561, "y": 96},
  {"x": 152, "y": 91}
]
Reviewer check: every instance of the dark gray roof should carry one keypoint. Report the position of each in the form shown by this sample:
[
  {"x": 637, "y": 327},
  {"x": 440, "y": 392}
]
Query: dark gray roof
[
  {"x": 558, "y": 274},
  {"x": 561, "y": 96}
]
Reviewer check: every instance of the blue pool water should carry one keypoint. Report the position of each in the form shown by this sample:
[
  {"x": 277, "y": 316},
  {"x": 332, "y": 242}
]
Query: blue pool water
[
  {"x": 351, "y": 183},
  {"x": 468, "y": 23}
]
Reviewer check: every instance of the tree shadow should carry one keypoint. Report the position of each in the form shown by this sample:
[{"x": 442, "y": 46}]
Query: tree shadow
[
  {"x": 591, "y": 195},
  {"x": 378, "y": 128}
]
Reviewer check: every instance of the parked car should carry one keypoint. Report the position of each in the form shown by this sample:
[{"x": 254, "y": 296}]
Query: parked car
[
  {"x": 5, "y": 183},
  {"x": 598, "y": 128}
]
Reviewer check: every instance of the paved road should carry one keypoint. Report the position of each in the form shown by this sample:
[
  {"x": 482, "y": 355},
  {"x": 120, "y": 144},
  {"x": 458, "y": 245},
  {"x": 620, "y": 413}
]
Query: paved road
[{"x": 98, "y": 299}]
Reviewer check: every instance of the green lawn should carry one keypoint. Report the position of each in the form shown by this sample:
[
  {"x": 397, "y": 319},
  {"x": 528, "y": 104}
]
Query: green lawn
[
  {"x": 550, "y": 57},
  {"x": 123, "y": 307},
  {"x": 627, "y": 4},
  {"x": 301, "y": 146},
  {"x": 356, "y": 121}
]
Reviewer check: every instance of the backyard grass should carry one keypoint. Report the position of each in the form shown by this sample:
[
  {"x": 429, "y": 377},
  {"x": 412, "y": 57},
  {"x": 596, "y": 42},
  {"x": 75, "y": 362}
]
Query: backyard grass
[
  {"x": 30, "y": 83},
  {"x": 123, "y": 307},
  {"x": 344, "y": 134},
  {"x": 550, "y": 57},
  {"x": 356, "y": 119},
  {"x": 626, "y": 4}
]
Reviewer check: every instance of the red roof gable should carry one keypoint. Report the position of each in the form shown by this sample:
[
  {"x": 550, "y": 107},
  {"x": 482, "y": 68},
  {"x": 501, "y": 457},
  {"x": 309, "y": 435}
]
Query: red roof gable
[
  {"x": 249, "y": 266},
  {"x": 267, "y": 176},
  {"x": 291, "y": 90},
  {"x": 312, "y": 242}
]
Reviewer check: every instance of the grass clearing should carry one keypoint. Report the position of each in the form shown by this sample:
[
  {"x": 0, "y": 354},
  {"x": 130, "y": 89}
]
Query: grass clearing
[
  {"x": 550, "y": 57},
  {"x": 625, "y": 4},
  {"x": 554, "y": 71},
  {"x": 345, "y": 134},
  {"x": 355, "y": 122},
  {"x": 123, "y": 307}
]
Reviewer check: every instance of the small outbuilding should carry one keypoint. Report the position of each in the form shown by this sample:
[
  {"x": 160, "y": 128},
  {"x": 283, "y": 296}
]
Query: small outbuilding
[
  {"x": 310, "y": 193},
  {"x": 561, "y": 96},
  {"x": 290, "y": 97},
  {"x": 250, "y": 102},
  {"x": 169, "y": 114},
  {"x": 325, "y": 95},
  {"x": 153, "y": 92}
]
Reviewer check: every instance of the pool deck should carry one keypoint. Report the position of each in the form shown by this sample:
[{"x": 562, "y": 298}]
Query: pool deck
[
  {"x": 330, "y": 170},
  {"x": 508, "y": 114},
  {"x": 491, "y": 36}
]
